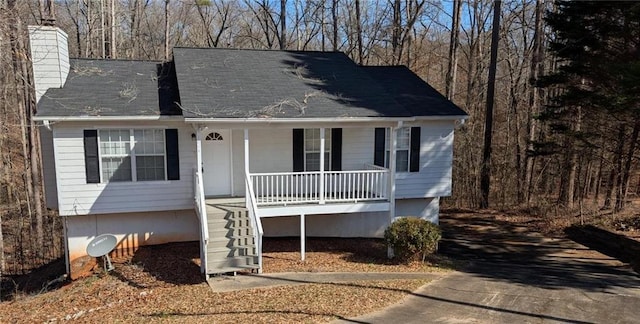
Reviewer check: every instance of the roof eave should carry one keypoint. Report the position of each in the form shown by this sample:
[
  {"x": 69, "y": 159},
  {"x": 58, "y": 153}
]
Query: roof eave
[
  {"x": 107, "y": 118},
  {"x": 324, "y": 119}
]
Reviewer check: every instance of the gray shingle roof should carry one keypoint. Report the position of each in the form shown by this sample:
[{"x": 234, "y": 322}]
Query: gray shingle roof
[
  {"x": 113, "y": 88},
  {"x": 231, "y": 83},
  {"x": 278, "y": 84},
  {"x": 412, "y": 92}
]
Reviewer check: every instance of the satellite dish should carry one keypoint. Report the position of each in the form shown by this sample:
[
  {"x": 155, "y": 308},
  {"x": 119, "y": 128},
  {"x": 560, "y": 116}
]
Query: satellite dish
[{"x": 100, "y": 246}]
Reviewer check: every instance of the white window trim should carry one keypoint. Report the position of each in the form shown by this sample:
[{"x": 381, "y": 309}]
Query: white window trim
[
  {"x": 132, "y": 155},
  {"x": 327, "y": 149},
  {"x": 387, "y": 145}
]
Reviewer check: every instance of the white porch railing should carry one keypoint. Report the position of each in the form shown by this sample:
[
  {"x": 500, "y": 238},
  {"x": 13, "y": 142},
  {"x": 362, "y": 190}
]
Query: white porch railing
[
  {"x": 282, "y": 188},
  {"x": 201, "y": 210},
  {"x": 255, "y": 221}
]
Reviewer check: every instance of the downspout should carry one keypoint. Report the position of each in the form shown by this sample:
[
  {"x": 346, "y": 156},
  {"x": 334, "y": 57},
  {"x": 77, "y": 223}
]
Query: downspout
[
  {"x": 322, "y": 167},
  {"x": 203, "y": 212},
  {"x": 393, "y": 142}
]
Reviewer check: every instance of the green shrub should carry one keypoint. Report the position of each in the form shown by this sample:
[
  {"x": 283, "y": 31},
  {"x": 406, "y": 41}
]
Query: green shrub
[{"x": 412, "y": 238}]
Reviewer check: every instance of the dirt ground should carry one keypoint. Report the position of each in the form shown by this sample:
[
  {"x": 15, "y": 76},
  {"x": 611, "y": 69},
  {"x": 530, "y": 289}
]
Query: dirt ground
[{"x": 163, "y": 283}]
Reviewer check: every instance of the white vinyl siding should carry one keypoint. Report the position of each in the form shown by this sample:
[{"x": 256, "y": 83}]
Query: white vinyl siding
[
  {"x": 271, "y": 151},
  {"x": 76, "y": 197},
  {"x": 50, "y": 57},
  {"x": 436, "y": 159},
  {"x": 357, "y": 148}
]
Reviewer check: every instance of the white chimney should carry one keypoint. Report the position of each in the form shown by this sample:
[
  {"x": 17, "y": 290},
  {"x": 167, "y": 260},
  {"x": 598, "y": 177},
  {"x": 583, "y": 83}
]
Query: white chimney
[{"x": 50, "y": 57}]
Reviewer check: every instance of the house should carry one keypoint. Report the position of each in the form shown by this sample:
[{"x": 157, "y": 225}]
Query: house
[{"x": 225, "y": 146}]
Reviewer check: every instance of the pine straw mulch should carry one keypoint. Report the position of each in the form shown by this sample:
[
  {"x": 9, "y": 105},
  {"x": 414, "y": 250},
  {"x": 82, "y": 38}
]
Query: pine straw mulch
[{"x": 163, "y": 283}]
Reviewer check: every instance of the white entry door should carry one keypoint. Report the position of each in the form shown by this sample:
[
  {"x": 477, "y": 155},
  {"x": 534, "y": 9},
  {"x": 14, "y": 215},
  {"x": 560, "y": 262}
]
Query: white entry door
[{"x": 216, "y": 157}]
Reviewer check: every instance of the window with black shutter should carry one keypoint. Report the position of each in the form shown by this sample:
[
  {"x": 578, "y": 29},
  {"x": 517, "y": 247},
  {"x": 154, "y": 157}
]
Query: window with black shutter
[
  {"x": 113, "y": 155},
  {"x": 407, "y": 148}
]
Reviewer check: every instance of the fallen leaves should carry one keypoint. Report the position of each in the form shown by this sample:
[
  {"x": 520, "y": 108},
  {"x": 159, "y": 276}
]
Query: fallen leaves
[{"x": 163, "y": 283}]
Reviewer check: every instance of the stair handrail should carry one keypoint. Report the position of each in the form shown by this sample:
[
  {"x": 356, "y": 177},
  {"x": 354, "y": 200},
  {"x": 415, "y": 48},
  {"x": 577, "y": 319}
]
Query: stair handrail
[
  {"x": 201, "y": 208},
  {"x": 252, "y": 207}
]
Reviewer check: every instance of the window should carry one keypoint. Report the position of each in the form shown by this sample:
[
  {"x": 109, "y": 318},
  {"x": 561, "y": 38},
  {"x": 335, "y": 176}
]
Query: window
[
  {"x": 408, "y": 142},
  {"x": 312, "y": 149},
  {"x": 132, "y": 155},
  {"x": 115, "y": 148},
  {"x": 403, "y": 146},
  {"x": 306, "y": 149},
  {"x": 214, "y": 137},
  {"x": 149, "y": 154}
]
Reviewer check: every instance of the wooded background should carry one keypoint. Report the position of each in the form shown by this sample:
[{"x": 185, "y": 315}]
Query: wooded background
[{"x": 563, "y": 146}]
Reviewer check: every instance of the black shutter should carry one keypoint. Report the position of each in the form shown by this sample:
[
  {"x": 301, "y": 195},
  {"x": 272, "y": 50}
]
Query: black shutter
[
  {"x": 298, "y": 150},
  {"x": 91, "y": 162},
  {"x": 173, "y": 157},
  {"x": 336, "y": 149},
  {"x": 414, "y": 154},
  {"x": 378, "y": 151}
]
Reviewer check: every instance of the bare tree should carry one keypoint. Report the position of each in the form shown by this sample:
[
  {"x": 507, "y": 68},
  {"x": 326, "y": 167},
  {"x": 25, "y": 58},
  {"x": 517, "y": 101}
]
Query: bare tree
[
  {"x": 453, "y": 50},
  {"x": 359, "y": 31},
  {"x": 334, "y": 21},
  {"x": 485, "y": 176},
  {"x": 283, "y": 24}
]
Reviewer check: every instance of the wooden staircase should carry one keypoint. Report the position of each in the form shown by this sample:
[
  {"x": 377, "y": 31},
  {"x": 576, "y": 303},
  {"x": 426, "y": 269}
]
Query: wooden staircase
[{"x": 231, "y": 246}]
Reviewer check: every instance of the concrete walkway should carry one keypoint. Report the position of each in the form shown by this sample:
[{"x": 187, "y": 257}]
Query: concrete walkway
[
  {"x": 251, "y": 281},
  {"x": 517, "y": 276}
]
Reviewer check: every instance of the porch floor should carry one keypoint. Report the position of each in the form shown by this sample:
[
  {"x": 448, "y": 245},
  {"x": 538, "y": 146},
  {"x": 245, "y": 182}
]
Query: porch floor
[
  {"x": 287, "y": 208},
  {"x": 222, "y": 203}
]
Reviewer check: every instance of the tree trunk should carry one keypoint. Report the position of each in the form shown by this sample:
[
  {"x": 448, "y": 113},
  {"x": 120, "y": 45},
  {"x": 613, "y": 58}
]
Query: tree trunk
[
  {"x": 396, "y": 30},
  {"x": 166, "y": 30},
  {"x": 571, "y": 180},
  {"x": 359, "y": 31},
  {"x": 334, "y": 18},
  {"x": 485, "y": 173},
  {"x": 112, "y": 31},
  {"x": 623, "y": 186},
  {"x": 283, "y": 24},
  {"x": 615, "y": 170},
  {"x": 534, "y": 97},
  {"x": 453, "y": 50}
]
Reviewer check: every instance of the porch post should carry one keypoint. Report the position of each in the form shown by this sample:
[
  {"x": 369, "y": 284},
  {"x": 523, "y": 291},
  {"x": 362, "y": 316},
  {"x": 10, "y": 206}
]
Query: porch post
[
  {"x": 393, "y": 142},
  {"x": 199, "y": 150},
  {"x": 322, "y": 179},
  {"x": 246, "y": 166},
  {"x": 303, "y": 237}
]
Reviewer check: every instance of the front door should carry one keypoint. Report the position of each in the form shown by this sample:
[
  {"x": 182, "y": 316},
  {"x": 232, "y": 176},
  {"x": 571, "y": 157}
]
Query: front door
[{"x": 216, "y": 159}]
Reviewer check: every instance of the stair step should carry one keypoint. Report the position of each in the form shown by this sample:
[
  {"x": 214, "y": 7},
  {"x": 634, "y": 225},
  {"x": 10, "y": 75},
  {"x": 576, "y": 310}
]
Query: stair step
[
  {"x": 239, "y": 261},
  {"x": 231, "y": 246},
  {"x": 231, "y": 269},
  {"x": 221, "y": 249}
]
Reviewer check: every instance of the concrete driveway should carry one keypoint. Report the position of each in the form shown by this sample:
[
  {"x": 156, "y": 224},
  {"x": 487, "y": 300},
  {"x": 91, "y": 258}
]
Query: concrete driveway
[{"x": 516, "y": 276}]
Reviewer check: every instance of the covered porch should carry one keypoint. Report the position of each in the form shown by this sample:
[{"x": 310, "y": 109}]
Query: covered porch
[{"x": 237, "y": 169}]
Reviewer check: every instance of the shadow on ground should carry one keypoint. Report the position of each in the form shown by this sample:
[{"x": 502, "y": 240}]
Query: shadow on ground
[
  {"x": 45, "y": 278},
  {"x": 503, "y": 251},
  {"x": 153, "y": 265},
  {"x": 358, "y": 250}
]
